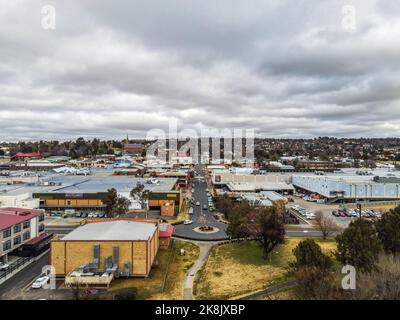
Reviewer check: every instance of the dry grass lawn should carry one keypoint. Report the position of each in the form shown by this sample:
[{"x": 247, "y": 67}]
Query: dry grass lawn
[{"x": 238, "y": 268}]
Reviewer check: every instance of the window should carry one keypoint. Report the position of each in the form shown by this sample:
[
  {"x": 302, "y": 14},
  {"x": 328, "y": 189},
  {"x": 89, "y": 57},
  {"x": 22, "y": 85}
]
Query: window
[
  {"x": 7, "y": 233},
  {"x": 7, "y": 245},
  {"x": 41, "y": 227},
  {"x": 41, "y": 217},
  {"x": 17, "y": 240},
  {"x": 17, "y": 228},
  {"x": 26, "y": 236},
  {"x": 27, "y": 224}
]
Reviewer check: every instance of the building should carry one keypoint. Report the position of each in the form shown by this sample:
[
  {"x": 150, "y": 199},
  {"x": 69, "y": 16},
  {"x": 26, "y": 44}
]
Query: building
[
  {"x": 17, "y": 227},
  {"x": 252, "y": 183},
  {"x": 133, "y": 148},
  {"x": 88, "y": 193},
  {"x": 29, "y": 155},
  {"x": 350, "y": 187},
  {"x": 120, "y": 248}
]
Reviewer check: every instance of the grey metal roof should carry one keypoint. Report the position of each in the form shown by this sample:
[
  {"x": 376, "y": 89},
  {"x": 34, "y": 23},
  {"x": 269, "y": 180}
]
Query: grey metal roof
[{"x": 113, "y": 230}]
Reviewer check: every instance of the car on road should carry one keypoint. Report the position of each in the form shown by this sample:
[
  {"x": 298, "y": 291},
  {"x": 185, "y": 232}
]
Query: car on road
[
  {"x": 4, "y": 266},
  {"x": 310, "y": 216},
  {"x": 186, "y": 222},
  {"x": 197, "y": 203},
  {"x": 191, "y": 210},
  {"x": 40, "y": 282}
]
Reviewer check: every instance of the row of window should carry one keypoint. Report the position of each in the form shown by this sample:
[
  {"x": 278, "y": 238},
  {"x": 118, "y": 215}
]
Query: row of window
[
  {"x": 16, "y": 241},
  {"x": 17, "y": 228}
]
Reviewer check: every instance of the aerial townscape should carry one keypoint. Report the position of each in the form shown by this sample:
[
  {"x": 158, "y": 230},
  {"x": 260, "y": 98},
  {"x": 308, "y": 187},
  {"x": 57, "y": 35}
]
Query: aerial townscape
[
  {"x": 110, "y": 221},
  {"x": 199, "y": 159}
]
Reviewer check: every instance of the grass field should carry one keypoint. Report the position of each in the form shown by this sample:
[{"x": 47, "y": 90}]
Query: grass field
[
  {"x": 151, "y": 287},
  {"x": 236, "y": 269}
]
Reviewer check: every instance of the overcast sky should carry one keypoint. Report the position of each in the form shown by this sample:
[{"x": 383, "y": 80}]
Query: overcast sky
[{"x": 285, "y": 68}]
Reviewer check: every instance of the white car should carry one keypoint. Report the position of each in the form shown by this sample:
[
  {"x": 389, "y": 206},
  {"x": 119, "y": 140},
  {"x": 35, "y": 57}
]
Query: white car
[
  {"x": 186, "y": 222},
  {"x": 197, "y": 203},
  {"x": 4, "y": 266},
  {"x": 39, "y": 282},
  {"x": 310, "y": 216}
]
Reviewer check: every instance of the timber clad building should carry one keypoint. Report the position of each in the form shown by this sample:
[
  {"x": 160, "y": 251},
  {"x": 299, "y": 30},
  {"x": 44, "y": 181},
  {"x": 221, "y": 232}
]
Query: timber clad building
[{"x": 132, "y": 247}]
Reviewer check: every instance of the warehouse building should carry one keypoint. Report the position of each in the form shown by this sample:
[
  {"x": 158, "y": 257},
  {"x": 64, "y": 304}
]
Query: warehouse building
[
  {"x": 350, "y": 187},
  {"x": 105, "y": 250},
  {"x": 252, "y": 183}
]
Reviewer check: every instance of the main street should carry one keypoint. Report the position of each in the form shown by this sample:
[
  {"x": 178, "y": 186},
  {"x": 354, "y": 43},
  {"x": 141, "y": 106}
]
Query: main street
[{"x": 200, "y": 216}]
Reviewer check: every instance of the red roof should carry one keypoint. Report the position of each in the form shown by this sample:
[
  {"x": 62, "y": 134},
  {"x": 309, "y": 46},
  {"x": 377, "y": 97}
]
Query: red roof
[
  {"x": 29, "y": 154},
  {"x": 11, "y": 216},
  {"x": 36, "y": 240},
  {"x": 166, "y": 230}
]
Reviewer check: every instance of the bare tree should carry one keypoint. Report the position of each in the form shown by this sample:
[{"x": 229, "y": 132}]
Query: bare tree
[{"x": 325, "y": 224}]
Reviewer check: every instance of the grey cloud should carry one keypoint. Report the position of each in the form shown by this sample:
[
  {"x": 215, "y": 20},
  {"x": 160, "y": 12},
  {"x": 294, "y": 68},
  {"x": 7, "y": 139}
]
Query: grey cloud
[{"x": 287, "y": 69}]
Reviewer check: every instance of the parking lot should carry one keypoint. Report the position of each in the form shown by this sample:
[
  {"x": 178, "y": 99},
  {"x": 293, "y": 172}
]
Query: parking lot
[{"x": 326, "y": 210}]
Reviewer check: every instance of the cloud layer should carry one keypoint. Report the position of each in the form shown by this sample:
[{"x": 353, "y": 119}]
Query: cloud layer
[{"x": 285, "y": 69}]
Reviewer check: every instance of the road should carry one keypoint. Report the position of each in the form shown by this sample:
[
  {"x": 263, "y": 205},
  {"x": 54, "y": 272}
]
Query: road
[
  {"x": 13, "y": 287},
  {"x": 201, "y": 217}
]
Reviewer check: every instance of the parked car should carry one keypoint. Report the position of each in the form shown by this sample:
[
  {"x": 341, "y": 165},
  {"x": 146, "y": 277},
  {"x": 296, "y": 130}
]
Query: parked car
[
  {"x": 310, "y": 216},
  {"x": 101, "y": 215},
  {"x": 186, "y": 222},
  {"x": 39, "y": 282},
  {"x": 191, "y": 210},
  {"x": 4, "y": 266},
  {"x": 78, "y": 214},
  {"x": 335, "y": 213},
  {"x": 84, "y": 215},
  {"x": 197, "y": 203},
  {"x": 205, "y": 207}
]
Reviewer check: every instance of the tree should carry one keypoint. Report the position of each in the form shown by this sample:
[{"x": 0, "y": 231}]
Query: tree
[
  {"x": 359, "y": 245},
  {"x": 140, "y": 195},
  {"x": 267, "y": 226},
  {"x": 381, "y": 284},
  {"x": 309, "y": 253},
  {"x": 224, "y": 204},
  {"x": 312, "y": 270},
  {"x": 388, "y": 228},
  {"x": 325, "y": 224},
  {"x": 237, "y": 220},
  {"x": 115, "y": 204}
]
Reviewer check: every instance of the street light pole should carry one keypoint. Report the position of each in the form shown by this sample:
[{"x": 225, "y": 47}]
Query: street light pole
[{"x": 359, "y": 208}]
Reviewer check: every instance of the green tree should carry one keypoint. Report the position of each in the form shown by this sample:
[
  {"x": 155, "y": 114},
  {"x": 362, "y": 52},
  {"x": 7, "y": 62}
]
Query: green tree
[
  {"x": 388, "y": 228},
  {"x": 359, "y": 245},
  {"x": 309, "y": 253},
  {"x": 312, "y": 270},
  {"x": 141, "y": 195},
  {"x": 115, "y": 204}
]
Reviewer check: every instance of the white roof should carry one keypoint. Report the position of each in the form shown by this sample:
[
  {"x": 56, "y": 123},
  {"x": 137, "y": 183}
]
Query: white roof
[{"x": 113, "y": 230}]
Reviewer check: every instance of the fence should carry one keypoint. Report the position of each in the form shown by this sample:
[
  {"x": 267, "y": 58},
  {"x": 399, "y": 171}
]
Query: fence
[{"x": 14, "y": 267}]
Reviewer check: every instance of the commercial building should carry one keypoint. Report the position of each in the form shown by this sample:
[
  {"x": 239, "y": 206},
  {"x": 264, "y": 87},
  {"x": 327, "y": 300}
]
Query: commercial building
[
  {"x": 252, "y": 183},
  {"x": 116, "y": 248},
  {"x": 88, "y": 193},
  {"x": 350, "y": 187},
  {"x": 17, "y": 227}
]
